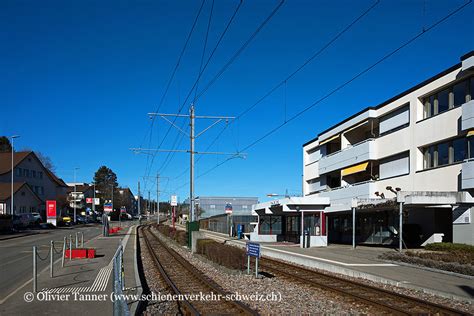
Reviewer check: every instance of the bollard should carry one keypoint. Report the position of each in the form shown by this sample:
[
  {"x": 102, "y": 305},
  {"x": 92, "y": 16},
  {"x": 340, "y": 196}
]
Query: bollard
[
  {"x": 82, "y": 240},
  {"x": 34, "y": 269},
  {"x": 76, "y": 241},
  {"x": 64, "y": 252},
  {"x": 248, "y": 264},
  {"x": 51, "y": 258},
  {"x": 70, "y": 247}
]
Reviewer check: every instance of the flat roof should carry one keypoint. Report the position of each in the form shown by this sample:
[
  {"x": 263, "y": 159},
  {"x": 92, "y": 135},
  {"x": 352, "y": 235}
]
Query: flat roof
[{"x": 418, "y": 86}]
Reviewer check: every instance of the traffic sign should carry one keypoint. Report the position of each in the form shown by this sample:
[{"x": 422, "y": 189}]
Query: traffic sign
[
  {"x": 108, "y": 207},
  {"x": 89, "y": 200},
  {"x": 97, "y": 201},
  {"x": 228, "y": 208},
  {"x": 174, "y": 200},
  {"x": 253, "y": 250}
]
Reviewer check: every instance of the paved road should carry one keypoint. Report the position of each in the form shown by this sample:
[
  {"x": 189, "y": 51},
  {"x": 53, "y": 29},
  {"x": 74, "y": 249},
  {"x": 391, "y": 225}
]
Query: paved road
[{"x": 16, "y": 255}]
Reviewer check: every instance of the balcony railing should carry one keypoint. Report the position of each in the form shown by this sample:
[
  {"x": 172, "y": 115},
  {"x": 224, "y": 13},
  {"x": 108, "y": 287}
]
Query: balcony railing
[
  {"x": 351, "y": 155},
  {"x": 348, "y": 147}
]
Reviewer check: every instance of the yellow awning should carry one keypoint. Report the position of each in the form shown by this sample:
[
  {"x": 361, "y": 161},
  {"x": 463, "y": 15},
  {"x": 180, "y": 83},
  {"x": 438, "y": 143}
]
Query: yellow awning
[
  {"x": 470, "y": 133},
  {"x": 357, "y": 126},
  {"x": 355, "y": 169},
  {"x": 329, "y": 139}
]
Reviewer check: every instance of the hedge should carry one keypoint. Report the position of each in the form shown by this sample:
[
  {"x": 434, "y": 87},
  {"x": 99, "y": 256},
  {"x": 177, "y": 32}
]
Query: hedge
[{"x": 224, "y": 255}]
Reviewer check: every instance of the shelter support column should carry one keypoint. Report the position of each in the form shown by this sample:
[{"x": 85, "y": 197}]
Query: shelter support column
[{"x": 353, "y": 227}]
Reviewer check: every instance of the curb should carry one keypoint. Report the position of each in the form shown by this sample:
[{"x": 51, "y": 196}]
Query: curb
[
  {"x": 137, "y": 305},
  {"x": 314, "y": 263}
]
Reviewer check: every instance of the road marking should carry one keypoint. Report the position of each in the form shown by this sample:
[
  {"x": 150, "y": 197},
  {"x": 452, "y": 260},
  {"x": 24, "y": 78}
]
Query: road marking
[
  {"x": 99, "y": 285},
  {"x": 31, "y": 280}
]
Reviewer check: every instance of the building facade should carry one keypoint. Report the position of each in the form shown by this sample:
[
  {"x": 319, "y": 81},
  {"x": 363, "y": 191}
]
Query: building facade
[
  {"x": 216, "y": 205},
  {"x": 29, "y": 169},
  {"x": 409, "y": 158}
]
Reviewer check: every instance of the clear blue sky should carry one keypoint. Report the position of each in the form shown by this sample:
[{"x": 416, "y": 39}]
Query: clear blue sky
[{"x": 79, "y": 77}]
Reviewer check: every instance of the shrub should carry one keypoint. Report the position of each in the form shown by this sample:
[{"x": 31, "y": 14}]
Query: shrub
[
  {"x": 450, "y": 247},
  {"x": 430, "y": 261},
  {"x": 224, "y": 255}
]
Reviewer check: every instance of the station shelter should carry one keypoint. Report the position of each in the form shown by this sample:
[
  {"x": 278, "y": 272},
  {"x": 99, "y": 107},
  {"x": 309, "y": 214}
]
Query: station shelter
[{"x": 299, "y": 220}]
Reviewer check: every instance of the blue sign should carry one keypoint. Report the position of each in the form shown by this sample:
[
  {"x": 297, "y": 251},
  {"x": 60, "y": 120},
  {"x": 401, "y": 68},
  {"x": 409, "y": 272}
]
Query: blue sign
[{"x": 253, "y": 250}]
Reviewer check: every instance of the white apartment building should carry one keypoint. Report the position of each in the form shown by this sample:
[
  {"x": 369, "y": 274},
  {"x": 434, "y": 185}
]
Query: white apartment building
[{"x": 414, "y": 152}]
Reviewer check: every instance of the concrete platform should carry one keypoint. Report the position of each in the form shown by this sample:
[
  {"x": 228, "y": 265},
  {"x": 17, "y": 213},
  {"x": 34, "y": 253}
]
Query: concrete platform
[
  {"x": 363, "y": 262},
  {"x": 82, "y": 286}
]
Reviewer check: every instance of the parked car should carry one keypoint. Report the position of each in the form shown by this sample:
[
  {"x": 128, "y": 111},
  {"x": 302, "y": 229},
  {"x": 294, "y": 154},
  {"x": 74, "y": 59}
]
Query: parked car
[
  {"x": 24, "y": 220},
  {"x": 66, "y": 220},
  {"x": 38, "y": 218}
]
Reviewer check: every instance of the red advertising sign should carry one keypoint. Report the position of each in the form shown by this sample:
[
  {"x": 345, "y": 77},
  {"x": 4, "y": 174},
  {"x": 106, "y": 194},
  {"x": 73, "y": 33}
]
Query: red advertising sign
[
  {"x": 51, "y": 209},
  {"x": 89, "y": 200}
]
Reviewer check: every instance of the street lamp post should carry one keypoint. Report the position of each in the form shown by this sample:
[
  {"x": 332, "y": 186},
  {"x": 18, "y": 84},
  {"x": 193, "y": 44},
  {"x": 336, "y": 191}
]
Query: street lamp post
[
  {"x": 11, "y": 143},
  {"x": 75, "y": 196}
]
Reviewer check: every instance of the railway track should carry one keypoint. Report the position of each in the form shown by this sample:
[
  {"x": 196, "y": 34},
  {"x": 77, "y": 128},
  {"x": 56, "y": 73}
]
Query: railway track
[
  {"x": 184, "y": 279},
  {"x": 384, "y": 300}
]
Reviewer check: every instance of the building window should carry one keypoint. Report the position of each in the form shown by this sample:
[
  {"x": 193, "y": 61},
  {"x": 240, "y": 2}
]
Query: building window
[
  {"x": 445, "y": 153},
  {"x": 470, "y": 95},
  {"x": 451, "y": 97},
  {"x": 33, "y": 173},
  {"x": 18, "y": 172},
  {"x": 26, "y": 173},
  {"x": 41, "y": 174}
]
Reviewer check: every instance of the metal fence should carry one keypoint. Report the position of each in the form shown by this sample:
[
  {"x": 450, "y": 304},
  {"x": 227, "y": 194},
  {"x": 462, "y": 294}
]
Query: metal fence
[{"x": 119, "y": 302}]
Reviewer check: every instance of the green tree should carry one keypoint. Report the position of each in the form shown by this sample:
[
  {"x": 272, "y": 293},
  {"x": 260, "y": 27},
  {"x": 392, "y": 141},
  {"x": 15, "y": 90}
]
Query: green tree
[
  {"x": 105, "y": 180},
  {"x": 5, "y": 146}
]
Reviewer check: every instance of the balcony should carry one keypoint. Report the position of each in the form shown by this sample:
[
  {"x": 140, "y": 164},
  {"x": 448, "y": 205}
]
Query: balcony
[
  {"x": 467, "y": 118},
  {"x": 467, "y": 174},
  {"x": 343, "y": 195},
  {"x": 348, "y": 156}
]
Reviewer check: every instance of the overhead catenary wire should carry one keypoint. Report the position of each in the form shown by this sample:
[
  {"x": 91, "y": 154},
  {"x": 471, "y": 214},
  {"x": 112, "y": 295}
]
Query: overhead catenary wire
[
  {"x": 231, "y": 60},
  {"x": 349, "y": 81},
  {"x": 170, "y": 80},
  {"x": 200, "y": 74},
  {"x": 298, "y": 69}
]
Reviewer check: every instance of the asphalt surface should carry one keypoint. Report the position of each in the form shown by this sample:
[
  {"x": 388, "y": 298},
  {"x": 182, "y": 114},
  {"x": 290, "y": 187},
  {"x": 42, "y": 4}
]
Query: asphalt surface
[{"x": 16, "y": 267}]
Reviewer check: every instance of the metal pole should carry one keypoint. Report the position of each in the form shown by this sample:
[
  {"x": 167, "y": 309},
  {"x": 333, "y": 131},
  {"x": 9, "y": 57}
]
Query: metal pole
[
  {"x": 353, "y": 227},
  {"x": 256, "y": 267},
  {"x": 400, "y": 242},
  {"x": 158, "y": 197},
  {"x": 70, "y": 247},
  {"x": 93, "y": 202},
  {"x": 75, "y": 195},
  {"x": 191, "y": 169},
  {"x": 64, "y": 252},
  {"x": 302, "y": 229},
  {"x": 34, "y": 270},
  {"x": 11, "y": 202},
  {"x": 51, "y": 258},
  {"x": 112, "y": 201},
  {"x": 77, "y": 238},
  {"x": 139, "y": 200},
  {"x": 248, "y": 264},
  {"x": 82, "y": 240}
]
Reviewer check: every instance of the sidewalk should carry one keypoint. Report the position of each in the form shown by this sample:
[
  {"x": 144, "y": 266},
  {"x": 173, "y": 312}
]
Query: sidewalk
[
  {"x": 363, "y": 262},
  {"x": 82, "y": 286}
]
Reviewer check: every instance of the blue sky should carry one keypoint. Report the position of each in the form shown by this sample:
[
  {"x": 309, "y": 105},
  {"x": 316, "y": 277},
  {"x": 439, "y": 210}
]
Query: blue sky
[{"x": 79, "y": 77}]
